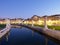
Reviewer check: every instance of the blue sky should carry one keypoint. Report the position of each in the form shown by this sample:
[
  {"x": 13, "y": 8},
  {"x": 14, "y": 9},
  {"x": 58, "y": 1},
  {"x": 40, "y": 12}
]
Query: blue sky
[{"x": 28, "y": 8}]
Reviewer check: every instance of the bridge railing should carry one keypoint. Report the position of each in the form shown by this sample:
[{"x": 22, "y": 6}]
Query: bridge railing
[{"x": 6, "y": 29}]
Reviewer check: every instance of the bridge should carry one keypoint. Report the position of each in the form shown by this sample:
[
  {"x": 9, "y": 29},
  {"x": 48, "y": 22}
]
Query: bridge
[{"x": 6, "y": 29}]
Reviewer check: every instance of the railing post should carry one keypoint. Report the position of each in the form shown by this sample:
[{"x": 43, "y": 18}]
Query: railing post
[
  {"x": 7, "y": 23},
  {"x": 32, "y": 23},
  {"x": 45, "y": 22}
]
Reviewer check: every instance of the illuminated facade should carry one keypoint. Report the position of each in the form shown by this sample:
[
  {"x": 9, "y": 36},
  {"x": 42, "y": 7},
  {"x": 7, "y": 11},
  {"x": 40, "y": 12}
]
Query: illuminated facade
[
  {"x": 2, "y": 21},
  {"x": 51, "y": 20},
  {"x": 16, "y": 21},
  {"x": 12, "y": 21}
]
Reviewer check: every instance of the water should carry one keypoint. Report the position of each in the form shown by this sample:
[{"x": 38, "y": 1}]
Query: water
[{"x": 25, "y": 36}]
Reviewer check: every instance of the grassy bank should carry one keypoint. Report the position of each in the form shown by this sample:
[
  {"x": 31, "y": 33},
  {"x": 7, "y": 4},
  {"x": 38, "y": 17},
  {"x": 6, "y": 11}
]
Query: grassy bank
[
  {"x": 54, "y": 27},
  {"x": 51, "y": 27},
  {"x": 2, "y": 26}
]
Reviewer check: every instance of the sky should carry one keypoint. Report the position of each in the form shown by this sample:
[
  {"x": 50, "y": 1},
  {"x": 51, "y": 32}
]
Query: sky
[{"x": 28, "y": 8}]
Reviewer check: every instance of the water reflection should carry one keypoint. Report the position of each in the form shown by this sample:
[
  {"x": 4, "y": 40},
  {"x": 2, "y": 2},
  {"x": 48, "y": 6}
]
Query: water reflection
[
  {"x": 7, "y": 36},
  {"x": 25, "y": 36},
  {"x": 32, "y": 33},
  {"x": 46, "y": 41}
]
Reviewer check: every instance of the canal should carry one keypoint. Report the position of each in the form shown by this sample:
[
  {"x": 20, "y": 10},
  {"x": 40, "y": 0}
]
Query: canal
[{"x": 25, "y": 36}]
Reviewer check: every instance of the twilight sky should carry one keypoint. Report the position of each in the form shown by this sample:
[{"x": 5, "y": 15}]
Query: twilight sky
[{"x": 28, "y": 8}]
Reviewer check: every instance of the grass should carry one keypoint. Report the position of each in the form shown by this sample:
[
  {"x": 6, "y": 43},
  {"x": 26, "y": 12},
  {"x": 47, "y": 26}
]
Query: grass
[
  {"x": 54, "y": 27},
  {"x": 2, "y": 26},
  {"x": 51, "y": 27}
]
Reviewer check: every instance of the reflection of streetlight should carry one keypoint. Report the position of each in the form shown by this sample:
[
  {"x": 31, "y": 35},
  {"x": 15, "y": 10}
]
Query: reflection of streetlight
[{"x": 7, "y": 36}]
